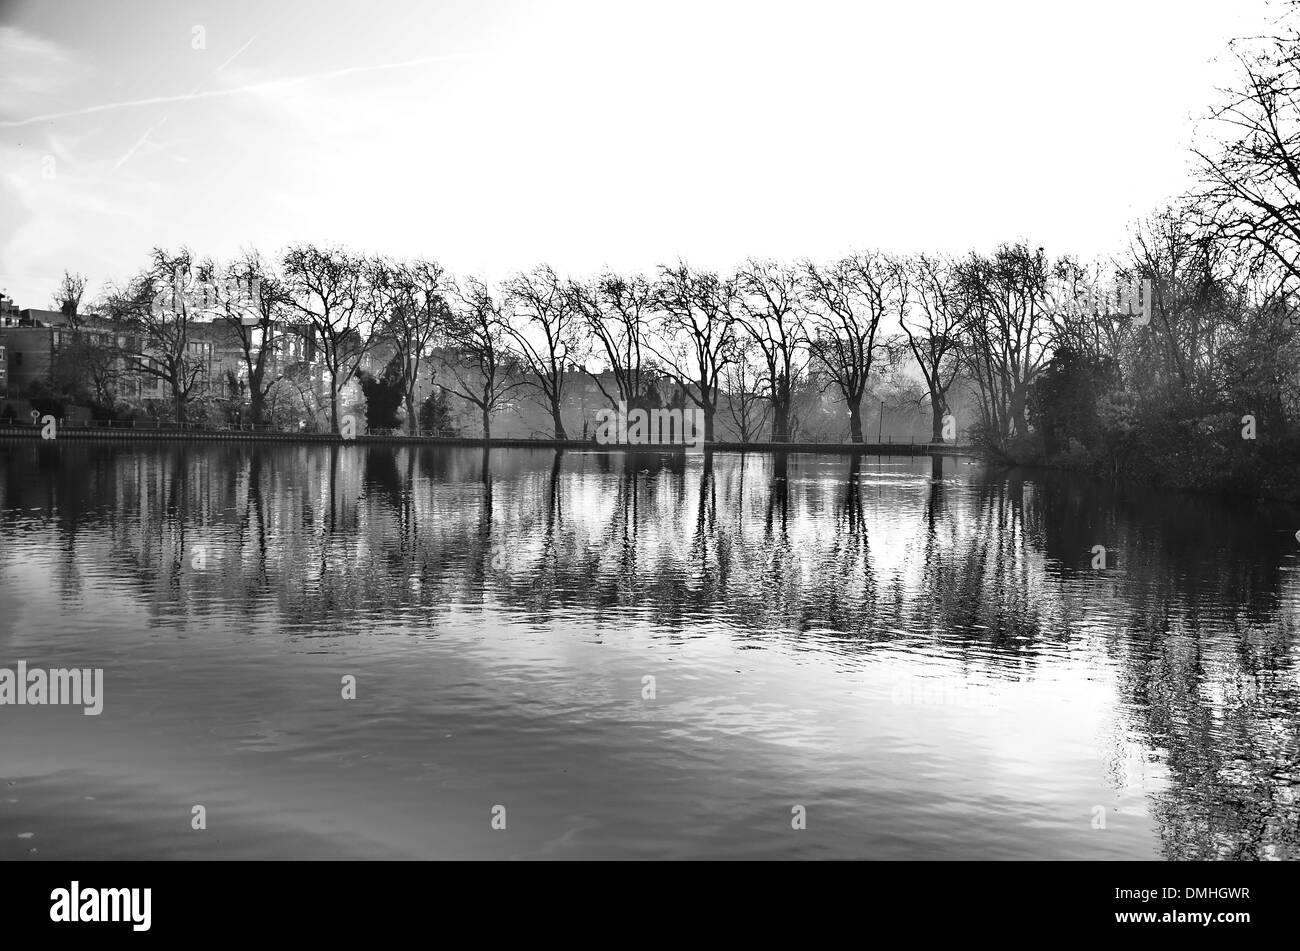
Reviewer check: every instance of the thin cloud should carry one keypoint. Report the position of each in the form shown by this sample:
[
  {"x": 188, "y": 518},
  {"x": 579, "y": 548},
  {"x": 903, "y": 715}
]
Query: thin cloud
[
  {"x": 32, "y": 64},
  {"x": 236, "y": 91},
  {"x": 148, "y": 132},
  {"x": 235, "y": 55},
  {"x": 142, "y": 140}
]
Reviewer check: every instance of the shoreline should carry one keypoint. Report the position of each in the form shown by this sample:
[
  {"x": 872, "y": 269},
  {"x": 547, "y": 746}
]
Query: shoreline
[
  {"x": 1129, "y": 483},
  {"x": 910, "y": 450},
  {"x": 156, "y": 435}
]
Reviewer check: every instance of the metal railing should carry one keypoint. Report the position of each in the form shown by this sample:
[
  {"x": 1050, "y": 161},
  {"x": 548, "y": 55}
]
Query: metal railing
[{"x": 144, "y": 425}]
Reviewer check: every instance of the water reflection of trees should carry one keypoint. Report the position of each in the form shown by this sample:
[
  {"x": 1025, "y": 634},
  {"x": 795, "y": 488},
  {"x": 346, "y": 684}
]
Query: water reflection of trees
[
  {"x": 1193, "y": 615},
  {"x": 1222, "y": 709},
  {"x": 1199, "y": 627}
]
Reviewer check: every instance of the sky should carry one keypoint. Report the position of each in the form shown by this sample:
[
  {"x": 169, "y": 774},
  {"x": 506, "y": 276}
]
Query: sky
[{"x": 496, "y": 135}]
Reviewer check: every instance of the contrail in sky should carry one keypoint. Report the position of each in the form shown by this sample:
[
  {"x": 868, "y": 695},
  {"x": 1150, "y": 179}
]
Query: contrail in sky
[
  {"x": 218, "y": 93},
  {"x": 235, "y": 55},
  {"x": 157, "y": 125}
]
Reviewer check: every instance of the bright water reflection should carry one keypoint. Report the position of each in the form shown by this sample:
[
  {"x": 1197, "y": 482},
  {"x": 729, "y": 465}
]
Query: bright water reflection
[{"x": 922, "y": 658}]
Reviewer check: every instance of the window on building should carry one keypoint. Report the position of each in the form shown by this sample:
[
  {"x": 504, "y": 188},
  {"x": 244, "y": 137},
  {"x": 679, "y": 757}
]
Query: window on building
[{"x": 18, "y": 358}]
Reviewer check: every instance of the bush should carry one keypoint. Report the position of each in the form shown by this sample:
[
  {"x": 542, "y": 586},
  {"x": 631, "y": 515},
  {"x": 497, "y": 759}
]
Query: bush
[
  {"x": 45, "y": 400},
  {"x": 435, "y": 415}
]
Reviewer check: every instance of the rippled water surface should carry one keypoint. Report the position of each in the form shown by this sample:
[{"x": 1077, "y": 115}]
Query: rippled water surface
[{"x": 639, "y": 656}]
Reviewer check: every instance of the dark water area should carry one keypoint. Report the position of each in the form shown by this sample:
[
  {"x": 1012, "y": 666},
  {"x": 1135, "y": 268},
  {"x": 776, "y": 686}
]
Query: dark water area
[{"x": 639, "y": 656}]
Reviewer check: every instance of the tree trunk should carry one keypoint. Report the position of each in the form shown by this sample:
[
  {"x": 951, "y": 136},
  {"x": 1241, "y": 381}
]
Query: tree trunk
[
  {"x": 780, "y": 421},
  {"x": 1018, "y": 423},
  {"x": 256, "y": 405},
  {"x": 487, "y": 423},
  {"x": 334, "y": 401},
  {"x": 855, "y": 419},
  {"x": 256, "y": 392},
  {"x": 412, "y": 419},
  {"x": 559, "y": 423},
  {"x": 938, "y": 409},
  {"x": 781, "y": 410}
]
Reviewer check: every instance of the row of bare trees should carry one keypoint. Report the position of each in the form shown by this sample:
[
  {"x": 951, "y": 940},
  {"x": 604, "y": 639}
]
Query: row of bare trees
[
  {"x": 1222, "y": 264},
  {"x": 742, "y": 342}
]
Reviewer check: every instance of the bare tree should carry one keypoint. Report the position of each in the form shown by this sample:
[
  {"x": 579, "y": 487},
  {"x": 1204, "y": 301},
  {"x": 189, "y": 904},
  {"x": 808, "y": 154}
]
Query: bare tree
[
  {"x": 1186, "y": 265},
  {"x": 1007, "y": 326},
  {"x": 484, "y": 369},
  {"x": 546, "y": 334},
  {"x": 299, "y": 381},
  {"x": 697, "y": 331},
  {"x": 327, "y": 287},
  {"x": 769, "y": 313},
  {"x": 933, "y": 330},
  {"x": 617, "y": 310},
  {"x": 1250, "y": 178},
  {"x": 748, "y": 407},
  {"x": 67, "y": 297},
  {"x": 845, "y": 302},
  {"x": 160, "y": 309},
  {"x": 250, "y": 300},
  {"x": 89, "y": 365},
  {"x": 414, "y": 316},
  {"x": 1082, "y": 325}
]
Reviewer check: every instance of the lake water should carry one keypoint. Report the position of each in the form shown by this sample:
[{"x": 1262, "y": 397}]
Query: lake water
[{"x": 639, "y": 656}]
